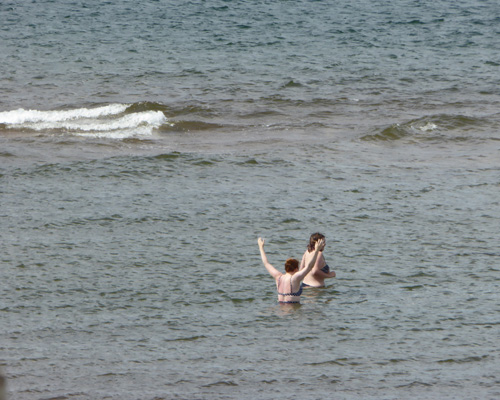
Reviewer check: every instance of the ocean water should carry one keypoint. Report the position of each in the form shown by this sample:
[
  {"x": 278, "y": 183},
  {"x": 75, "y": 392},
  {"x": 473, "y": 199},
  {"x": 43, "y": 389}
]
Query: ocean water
[{"x": 144, "y": 146}]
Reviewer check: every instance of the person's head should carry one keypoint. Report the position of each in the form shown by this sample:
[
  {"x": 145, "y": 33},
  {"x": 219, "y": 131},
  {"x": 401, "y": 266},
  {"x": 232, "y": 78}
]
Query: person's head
[
  {"x": 291, "y": 265},
  {"x": 313, "y": 239}
]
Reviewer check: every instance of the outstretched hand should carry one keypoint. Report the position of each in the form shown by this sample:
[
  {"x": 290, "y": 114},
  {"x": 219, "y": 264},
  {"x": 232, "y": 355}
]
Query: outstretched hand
[
  {"x": 320, "y": 245},
  {"x": 261, "y": 242}
]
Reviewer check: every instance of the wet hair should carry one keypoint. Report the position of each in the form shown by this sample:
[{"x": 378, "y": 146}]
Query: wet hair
[
  {"x": 313, "y": 239},
  {"x": 291, "y": 265}
]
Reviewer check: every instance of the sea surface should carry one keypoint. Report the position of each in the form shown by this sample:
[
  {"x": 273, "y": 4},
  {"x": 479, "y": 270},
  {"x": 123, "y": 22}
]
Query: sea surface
[{"x": 146, "y": 145}]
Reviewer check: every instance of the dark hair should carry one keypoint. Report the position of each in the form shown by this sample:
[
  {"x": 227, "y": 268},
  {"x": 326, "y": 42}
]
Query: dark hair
[
  {"x": 291, "y": 265},
  {"x": 313, "y": 239}
]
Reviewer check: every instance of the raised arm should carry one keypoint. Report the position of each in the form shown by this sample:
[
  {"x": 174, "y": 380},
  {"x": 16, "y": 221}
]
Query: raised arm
[
  {"x": 320, "y": 245},
  {"x": 273, "y": 271}
]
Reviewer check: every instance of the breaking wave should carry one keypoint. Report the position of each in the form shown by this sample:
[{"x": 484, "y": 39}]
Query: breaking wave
[{"x": 114, "y": 121}]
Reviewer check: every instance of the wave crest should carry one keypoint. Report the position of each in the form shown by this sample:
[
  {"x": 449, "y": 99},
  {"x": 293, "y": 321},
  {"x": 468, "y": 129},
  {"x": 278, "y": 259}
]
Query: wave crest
[
  {"x": 115, "y": 121},
  {"x": 446, "y": 127}
]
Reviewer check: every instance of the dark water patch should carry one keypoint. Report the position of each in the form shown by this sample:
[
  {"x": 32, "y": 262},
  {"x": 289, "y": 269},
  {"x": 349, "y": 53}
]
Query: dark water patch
[
  {"x": 471, "y": 359},
  {"x": 339, "y": 361},
  {"x": 6, "y": 154},
  {"x": 305, "y": 338},
  {"x": 315, "y": 125},
  {"x": 292, "y": 84},
  {"x": 168, "y": 156},
  {"x": 43, "y": 170},
  {"x": 221, "y": 383},
  {"x": 290, "y": 221},
  {"x": 259, "y": 114},
  {"x": 415, "y": 384},
  {"x": 192, "y": 126},
  {"x": 248, "y": 163},
  {"x": 204, "y": 162},
  {"x": 392, "y": 361},
  {"x": 410, "y": 22},
  {"x": 146, "y": 106},
  {"x": 422, "y": 275},
  {"x": 493, "y": 64},
  {"x": 199, "y": 109},
  {"x": 263, "y": 163},
  {"x": 186, "y": 158},
  {"x": 412, "y": 288},
  {"x": 243, "y": 301}
]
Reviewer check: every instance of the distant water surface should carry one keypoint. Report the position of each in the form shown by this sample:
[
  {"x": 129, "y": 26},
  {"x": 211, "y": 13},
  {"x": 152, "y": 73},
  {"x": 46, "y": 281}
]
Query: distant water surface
[{"x": 144, "y": 146}]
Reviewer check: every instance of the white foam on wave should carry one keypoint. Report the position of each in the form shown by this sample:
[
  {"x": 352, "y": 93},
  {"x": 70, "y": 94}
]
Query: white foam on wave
[
  {"x": 428, "y": 127},
  {"x": 154, "y": 118},
  {"x": 22, "y": 116},
  {"x": 105, "y": 122},
  {"x": 137, "y": 124}
]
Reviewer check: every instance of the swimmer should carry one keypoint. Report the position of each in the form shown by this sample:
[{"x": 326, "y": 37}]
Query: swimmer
[
  {"x": 289, "y": 284},
  {"x": 320, "y": 271}
]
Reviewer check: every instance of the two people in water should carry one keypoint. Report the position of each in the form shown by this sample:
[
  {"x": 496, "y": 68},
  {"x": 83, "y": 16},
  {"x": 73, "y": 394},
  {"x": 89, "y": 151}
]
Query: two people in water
[{"x": 313, "y": 270}]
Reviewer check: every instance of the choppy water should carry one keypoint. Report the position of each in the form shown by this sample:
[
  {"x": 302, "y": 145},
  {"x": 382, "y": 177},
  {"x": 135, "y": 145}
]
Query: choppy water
[{"x": 145, "y": 146}]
